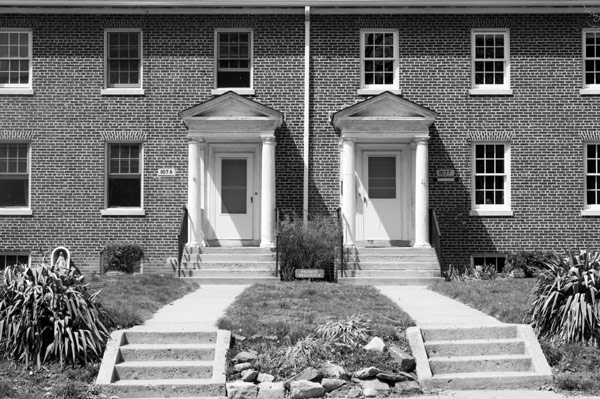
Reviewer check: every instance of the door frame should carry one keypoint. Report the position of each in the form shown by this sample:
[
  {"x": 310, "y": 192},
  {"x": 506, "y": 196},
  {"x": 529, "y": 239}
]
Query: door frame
[
  {"x": 214, "y": 154},
  {"x": 405, "y": 188}
]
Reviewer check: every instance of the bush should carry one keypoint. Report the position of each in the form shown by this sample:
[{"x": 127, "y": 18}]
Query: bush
[
  {"x": 530, "y": 262},
  {"x": 123, "y": 257},
  {"x": 309, "y": 245},
  {"x": 48, "y": 314},
  {"x": 566, "y": 296}
]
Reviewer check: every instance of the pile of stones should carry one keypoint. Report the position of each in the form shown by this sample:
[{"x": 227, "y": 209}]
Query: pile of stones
[{"x": 330, "y": 380}]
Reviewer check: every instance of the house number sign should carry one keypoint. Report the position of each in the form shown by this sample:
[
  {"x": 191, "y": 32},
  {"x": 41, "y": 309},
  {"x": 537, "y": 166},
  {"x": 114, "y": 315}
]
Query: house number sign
[
  {"x": 445, "y": 175},
  {"x": 165, "y": 172}
]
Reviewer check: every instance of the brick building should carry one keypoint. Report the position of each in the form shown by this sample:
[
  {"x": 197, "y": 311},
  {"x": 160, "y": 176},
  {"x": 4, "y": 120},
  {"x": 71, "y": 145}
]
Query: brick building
[{"x": 116, "y": 114}]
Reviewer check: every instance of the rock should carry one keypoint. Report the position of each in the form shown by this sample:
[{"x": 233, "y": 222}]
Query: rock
[
  {"x": 271, "y": 338},
  {"x": 370, "y": 393},
  {"x": 394, "y": 377},
  {"x": 262, "y": 377},
  {"x": 354, "y": 393},
  {"x": 309, "y": 374},
  {"x": 376, "y": 345},
  {"x": 333, "y": 370},
  {"x": 256, "y": 336},
  {"x": 271, "y": 390},
  {"x": 238, "y": 338},
  {"x": 367, "y": 373},
  {"x": 375, "y": 384},
  {"x": 331, "y": 384},
  {"x": 405, "y": 361},
  {"x": 407, "y": 388},
  {"x": 244, "y": 357},
  {"x": 249, "y": 375},
  {"x": 241, "y": 390},
  {"x": 242, "y": 366},
  {"x": 304, "y": 389}
]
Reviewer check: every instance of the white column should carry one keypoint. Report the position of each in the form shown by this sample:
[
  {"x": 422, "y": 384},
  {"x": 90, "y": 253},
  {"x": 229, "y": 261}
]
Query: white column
[
  {"x": 349, "y": 190},
  {"x": 422, "y": 194},
  {"x": 267, "y": 203},
  {"x": 194, "y": 205}
]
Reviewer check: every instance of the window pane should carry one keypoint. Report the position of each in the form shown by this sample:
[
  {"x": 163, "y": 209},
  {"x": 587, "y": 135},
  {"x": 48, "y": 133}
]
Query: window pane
[
  {"x": 14, "y": 192},
  {"x": 234, "y": 186},
  {"x": 382, "y": 177},
  {"x": 124, "y": 192}
]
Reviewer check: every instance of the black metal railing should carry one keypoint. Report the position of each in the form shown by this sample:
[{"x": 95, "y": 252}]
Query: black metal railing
[
  {"x": 182, "y": 239},
  {"x": 341, "y": 252},
  {"x": 277, "y": 223},
  {"x": 435, "y": 236}
]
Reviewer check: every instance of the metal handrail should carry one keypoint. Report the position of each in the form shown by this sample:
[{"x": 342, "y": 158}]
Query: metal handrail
[
  {"x": 435, "y": 234},
  {"x": 341, "y": 226},
  {"x": 277, "y": 222},
  {"x": 182, "y": 238}
]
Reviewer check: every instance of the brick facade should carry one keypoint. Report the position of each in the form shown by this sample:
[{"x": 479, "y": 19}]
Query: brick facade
[{"x": 68, "y": 122}]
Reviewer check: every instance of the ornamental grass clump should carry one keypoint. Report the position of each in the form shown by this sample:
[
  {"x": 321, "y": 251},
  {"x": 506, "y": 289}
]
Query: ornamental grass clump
[
  {"x": 48, "y": 314},
  {"x": 352, "y": 331},
  {"x": 566, "y": 298}
]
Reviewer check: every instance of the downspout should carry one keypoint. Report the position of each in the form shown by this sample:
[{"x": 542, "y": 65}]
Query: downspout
[{"x": 306, "y": 110}]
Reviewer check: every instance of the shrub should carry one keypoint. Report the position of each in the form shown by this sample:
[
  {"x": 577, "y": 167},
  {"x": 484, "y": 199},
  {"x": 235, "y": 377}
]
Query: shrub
[
  {"x": 309, "y": 245},
  {"x": 530, "y": 262},
  {"x": 351, "y": 331},
  {"x": 123, "y": 257},
  {"x": 565, "y": 303},
  {"x": 49, "y": 314}
]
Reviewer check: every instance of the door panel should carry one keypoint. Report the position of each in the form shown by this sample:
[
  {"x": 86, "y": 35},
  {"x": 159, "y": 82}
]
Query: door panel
[
  {"x": 382, "y": 196},
  {"x": 234, "y": 202}
]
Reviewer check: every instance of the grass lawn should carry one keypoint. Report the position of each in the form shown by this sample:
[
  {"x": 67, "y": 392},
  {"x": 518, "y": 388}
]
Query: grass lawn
[
  {"x": 576, "y": 367},
  {"x": 130, "y": 299},
  {"x": 282, "y": 316}
]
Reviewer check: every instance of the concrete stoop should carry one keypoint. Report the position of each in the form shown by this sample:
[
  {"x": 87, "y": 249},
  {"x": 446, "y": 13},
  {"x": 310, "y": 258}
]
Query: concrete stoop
[
  {"x": 505, "y": 356},
  {"x": 390, "y": 266},
  {"x": 161, "y": 364},
  {"x": 229, "y": 265}
]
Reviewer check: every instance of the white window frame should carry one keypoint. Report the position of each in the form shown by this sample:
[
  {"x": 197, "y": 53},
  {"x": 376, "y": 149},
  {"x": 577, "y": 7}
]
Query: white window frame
[
  {"x": 123, "y": 211},
  {"x": 12, "y": 253},
  {"x": 489, "y": 255},
  {"x": 588, "y": 209},
  {"x": 492, "y": 209},
  {"x": 374, "y": 89},
  {"x": 137, "y": 90},
  {"x": 491, "y": 89},
  {"x": 20, "y": 89},
  {"x": 587, "y": 89},
  {"x": 21, "y": 210},
  {"x": 239, "y": 90}
]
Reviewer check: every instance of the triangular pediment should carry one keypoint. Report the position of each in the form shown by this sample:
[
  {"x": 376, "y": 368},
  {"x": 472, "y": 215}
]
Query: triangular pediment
[
  {"x": 384, "y": 113},
  {"x": 233, "y": 114}
]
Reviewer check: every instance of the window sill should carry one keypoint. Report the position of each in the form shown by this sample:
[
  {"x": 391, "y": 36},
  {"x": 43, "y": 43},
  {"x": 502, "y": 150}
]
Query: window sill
[
  {"x": 16, "y": 212},
  {"x": 481, "y": 212},
  {"x": 123, "y": 212},
  {"x": 374, "y": 92},
  {"x": 590, "y": 91},
  {"x": 16, "y": 91},
  {"x": 242, "y": 91},
  {"x": 590, "y": 212},
  {"x": 123, "y": 91},
  {"x": 491, "y": 92}
]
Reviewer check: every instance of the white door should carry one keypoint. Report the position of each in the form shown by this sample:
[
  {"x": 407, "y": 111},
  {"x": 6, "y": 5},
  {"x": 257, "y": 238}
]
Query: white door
[
  {"x": 234, "y": 206},
  {"x": 382, "y": 196}
]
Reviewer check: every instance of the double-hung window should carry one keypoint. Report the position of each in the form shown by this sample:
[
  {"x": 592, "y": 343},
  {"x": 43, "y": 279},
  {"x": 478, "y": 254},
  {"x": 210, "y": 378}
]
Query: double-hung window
[
  {"x": 592, "y": 179},
  {"x": 14, "y": 179},
  {"x": 490, "y": 65},
  {"x": 379, "y": 61},
  {"x": 12, "y": 259},
  {"x": 591, "y": 61},
  {"x": 15, "y": 61},
  {"x": 124, "y": 186},
  {"x": 123, "y": 62},
  {"x": 233, "y": 61},
  {"x": 491, "y": 179}
]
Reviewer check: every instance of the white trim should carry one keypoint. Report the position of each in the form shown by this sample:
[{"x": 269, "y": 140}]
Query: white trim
[
  {"x": 134, "y": 211},
  {"x": 21, "y": 210},
  {"x": 123, "y": 211},
  {"x": 26, "y": 89},
  {"x": 492, "y": 209},
  {"x": 16, "y": 211},
  {"x": 123, "y": 90},
  {"x": 379, "y": 88},
  {"x": 306, "y": 116},
  {"x": 590, "y": 212},
  {"x": 242, "y": 91},
  {"x": 14, "y": 91},
  {"x": 586, "y": 89},
  {"x": 594, "y": 209},
  {"x": 491, "y": 89},
  {"x": 238, "y": 90},
  {"x": 374, "y": 92}
]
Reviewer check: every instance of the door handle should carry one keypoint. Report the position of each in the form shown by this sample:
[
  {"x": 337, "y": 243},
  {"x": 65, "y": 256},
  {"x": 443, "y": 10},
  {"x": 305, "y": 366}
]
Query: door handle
[
  {"x": 251, "y": 199},
  {"x": 365, "y": 200}
]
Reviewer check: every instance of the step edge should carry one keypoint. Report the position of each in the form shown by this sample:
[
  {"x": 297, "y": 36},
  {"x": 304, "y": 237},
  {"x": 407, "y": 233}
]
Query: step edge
[
  {"x": 475, "y": 341},
  {"x": 165, "y": 363},
  {"x": 481, "y": 357},
  {"x": 166, "y": 346},
  {"x": 488, "y": 374},
  {"x": 167, "y": 382}
]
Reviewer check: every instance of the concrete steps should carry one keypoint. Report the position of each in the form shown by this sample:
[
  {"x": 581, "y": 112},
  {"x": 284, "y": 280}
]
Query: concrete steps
[
  {"x": 390, "y": 266},
  {"x": 505, "y": 356},
  {"x": 159, "y": 364}
]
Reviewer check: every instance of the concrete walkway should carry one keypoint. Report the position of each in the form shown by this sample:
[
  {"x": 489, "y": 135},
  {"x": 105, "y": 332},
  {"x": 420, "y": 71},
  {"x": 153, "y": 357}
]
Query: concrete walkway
[{"x": 429, "y": 308}]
